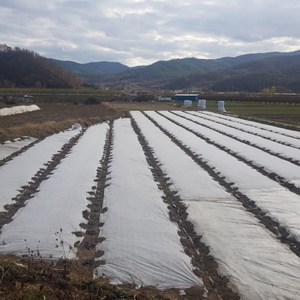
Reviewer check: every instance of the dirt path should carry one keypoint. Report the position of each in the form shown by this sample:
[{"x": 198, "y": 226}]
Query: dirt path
[
  {"x": 206, "y": 266},
  {"x": 276, "y": 228}
]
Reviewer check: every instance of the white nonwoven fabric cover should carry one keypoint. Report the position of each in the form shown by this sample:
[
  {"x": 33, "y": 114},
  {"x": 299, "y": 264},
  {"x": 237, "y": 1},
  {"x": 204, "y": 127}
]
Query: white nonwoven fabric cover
[
  {"x": 257, "y": 264},
  {"x": 9, "y": 147},
  {"x": 141, "y": 244},
  {"x": 250, "y": 182},
  {"x": 19, "y": 171},
  {"x": 48, "y": 222},
  {"x": 18, "y": 109}
]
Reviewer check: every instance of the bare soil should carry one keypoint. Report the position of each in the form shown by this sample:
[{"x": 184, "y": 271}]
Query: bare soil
[
  {"x": 127, "y": 106},
  {"x": 29, "y": 278},
  {"x": 87, "y": 252},
  {"x": 53, "y": 118}
]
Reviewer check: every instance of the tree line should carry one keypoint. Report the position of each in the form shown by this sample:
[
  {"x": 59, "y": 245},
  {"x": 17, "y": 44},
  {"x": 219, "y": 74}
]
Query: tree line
[{"x": 24, "y": 68}]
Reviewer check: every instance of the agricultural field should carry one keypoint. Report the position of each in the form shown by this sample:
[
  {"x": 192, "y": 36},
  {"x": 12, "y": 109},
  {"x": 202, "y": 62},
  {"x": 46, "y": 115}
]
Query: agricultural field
[
  {"x": 196, "y": 204},
  {"x": 275, "y": 113},
  {"x": 53, "y": 118}
]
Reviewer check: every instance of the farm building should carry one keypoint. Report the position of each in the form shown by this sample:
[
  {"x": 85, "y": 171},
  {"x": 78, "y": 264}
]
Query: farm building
[{"x": 182, "y": 97}]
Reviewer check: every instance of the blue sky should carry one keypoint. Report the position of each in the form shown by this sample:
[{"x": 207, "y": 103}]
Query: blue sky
[{"x": 139, "y": 32}]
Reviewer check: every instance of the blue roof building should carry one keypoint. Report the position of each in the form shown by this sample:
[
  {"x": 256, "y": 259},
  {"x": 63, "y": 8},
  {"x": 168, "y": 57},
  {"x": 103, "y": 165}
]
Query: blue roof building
[{"x": 182, "y": 97}]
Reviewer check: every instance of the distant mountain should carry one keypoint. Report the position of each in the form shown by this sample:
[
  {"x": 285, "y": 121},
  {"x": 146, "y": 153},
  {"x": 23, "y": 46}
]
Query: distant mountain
[
  {"x": 24, "y": 68},
  {"x": 245, "y": 58},
  {"x": 249, "y": 73},
  {"x": 166, "y": 70},
  {"x": 189, "y": 72},
  {"x": 92, "y": 69},
  {"x": 283, "y": 72}
]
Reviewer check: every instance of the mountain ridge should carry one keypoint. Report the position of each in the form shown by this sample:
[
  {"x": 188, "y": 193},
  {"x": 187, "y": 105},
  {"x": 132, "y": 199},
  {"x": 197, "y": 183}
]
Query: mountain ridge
[
  {"x": 92, "y": 67},
  {"x": 191, "y": 72},
  {"x": 252, "y": 72}
]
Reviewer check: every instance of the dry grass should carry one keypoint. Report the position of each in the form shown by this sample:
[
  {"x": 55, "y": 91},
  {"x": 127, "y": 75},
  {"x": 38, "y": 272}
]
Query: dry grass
[
  {"x": 35, "y": 279},
  {"x": 52, "y": 119},
  {"x": 127, "y": 106},
  {"x": 35, "y": 130}
]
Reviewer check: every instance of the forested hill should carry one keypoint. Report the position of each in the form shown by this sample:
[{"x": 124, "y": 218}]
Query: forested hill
[
  {"x": 24, "y": 68},
  {"x": 249, "y": 72},
  {"x": 174, "y": 68},
  {"x": 92, "y": 69},
  {"x": 245, "y": 73},
  {"x": 179, "y": 68},
  {"x": 279, "y": 71}
]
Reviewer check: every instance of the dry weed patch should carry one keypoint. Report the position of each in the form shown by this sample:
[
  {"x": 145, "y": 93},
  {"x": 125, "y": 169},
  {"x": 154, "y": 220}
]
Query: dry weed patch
[
  {"x": 27, "y": 278},
  {"x": 53, "y": 118}
]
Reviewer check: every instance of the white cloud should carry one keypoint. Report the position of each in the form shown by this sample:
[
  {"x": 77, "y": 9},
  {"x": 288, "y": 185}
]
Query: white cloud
[
  {"x": 141, "y": 32},
  {"x": 122, "y": 13}
]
